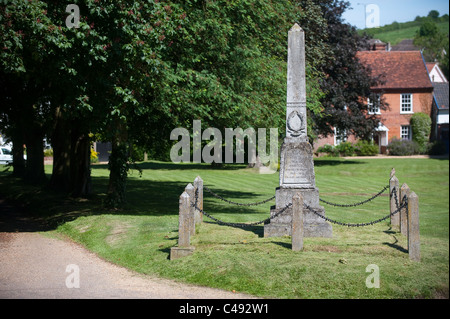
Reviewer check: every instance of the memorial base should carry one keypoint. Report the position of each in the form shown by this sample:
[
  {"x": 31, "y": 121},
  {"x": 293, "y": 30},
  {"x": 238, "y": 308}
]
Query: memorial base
[
  {"x": 297, "y": 176},
  {"x": 179, "y": 252},
  {"x": 312, "y": 227}
]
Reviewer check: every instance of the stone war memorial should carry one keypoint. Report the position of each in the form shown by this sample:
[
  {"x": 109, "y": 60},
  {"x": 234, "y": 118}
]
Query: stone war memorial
[
  {"x": 297, "y": 212},
  {"x": 296, "y": 163}
]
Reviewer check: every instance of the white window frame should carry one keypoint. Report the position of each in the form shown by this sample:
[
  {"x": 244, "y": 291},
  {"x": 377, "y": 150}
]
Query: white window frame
[
  {"x": 403, "y": 136},
  {"x": 374, "y": 109},
  {"x": 340, "y": 136},
  {"x": 411, "y": 111}
]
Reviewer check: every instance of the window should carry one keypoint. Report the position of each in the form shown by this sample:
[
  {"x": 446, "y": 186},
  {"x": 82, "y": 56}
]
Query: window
[
  {"x": 373, "y": 104},
  {"x": 339, "y": 136},
  {"x": 406, "y": 132},
  {"x": 406, "y": 103}
]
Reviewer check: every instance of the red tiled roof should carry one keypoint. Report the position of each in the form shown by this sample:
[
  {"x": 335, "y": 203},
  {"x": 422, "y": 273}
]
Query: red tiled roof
[
  {"x": 430, "y": 66},
  {"x": 401, "y": 69}
]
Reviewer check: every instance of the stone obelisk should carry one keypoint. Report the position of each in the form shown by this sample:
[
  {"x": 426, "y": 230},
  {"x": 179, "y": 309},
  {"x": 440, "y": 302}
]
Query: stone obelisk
[{"x": 296, "y": 164}]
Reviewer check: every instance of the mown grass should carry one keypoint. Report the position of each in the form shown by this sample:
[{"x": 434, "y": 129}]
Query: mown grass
[{"x": 140, "y": 236}]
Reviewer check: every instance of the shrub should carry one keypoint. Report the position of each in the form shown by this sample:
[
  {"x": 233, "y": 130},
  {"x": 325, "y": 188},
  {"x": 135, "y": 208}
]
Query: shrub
[
  {"x": 94, "y": 156},
  {"x": 365, "y": 148},
  {"x": 329, "y": 149},
  {"x": 48, "y": 152},
  {"x": 403, "y": 147},
  {"x": 346, "y": 149},
  {"x": 421, "y": 128}
]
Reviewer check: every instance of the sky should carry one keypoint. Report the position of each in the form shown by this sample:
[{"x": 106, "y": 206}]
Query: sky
[{"x": 390, "y": 11}]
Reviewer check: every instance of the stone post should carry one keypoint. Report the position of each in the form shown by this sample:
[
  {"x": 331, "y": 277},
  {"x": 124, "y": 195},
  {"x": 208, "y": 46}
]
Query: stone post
[
  {"x": 297, "y": 222},
  {"x": 404, "y": 190},
  {"x": 184, "y": 240},
  {"x": 191, "y": 192},
  {"x": 394, "y": 188},
  {"x": 198, "y": 187},
  {"x": 413, "y": 227}
]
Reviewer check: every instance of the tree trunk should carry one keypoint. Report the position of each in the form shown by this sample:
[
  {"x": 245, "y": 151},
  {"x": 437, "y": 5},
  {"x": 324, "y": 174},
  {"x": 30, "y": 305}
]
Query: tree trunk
[
  {"x": 118, "y": 167},
  {"x": 61, "y": 144},
  {"x": 80, "y": 168},
  {"x": 34, "y": 140}
]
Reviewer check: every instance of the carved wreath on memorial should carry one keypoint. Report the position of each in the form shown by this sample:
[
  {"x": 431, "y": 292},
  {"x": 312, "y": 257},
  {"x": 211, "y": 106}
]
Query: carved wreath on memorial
[{"x": 296, "y": 123}]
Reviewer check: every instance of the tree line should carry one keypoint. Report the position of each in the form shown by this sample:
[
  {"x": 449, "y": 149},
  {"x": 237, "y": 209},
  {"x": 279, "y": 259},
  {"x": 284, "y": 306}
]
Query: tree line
[{"x": 134, "y": 70}]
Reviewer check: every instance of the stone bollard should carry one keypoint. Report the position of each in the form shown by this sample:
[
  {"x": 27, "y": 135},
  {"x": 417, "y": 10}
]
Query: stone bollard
[
  {"x": 413, "y": 227},
  {"x": 191, "y": 192},
  {"x": 297, "y": 222},
  {"x": 404, "y": 190},
  {"x": 184, "y": 235},
  {"x": 198, "y": 187},
  {"x": 394, "y": 188}
]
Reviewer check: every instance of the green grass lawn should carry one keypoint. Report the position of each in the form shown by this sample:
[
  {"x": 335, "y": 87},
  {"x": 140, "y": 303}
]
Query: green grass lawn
[{"x": 140, "y": 236}]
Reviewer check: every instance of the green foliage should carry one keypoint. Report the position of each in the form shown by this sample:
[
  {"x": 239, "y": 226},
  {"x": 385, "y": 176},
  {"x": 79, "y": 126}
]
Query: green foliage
[
  {"x": 48, "y": 152},
  {"x": 421, "y": 128},
  {"x": 346, "y": 149},
  {"x": 347, "y": 83},
  {"x": 151, "y": 66},
  {"x": 329, "y": 149},
  {"x": 366, "y": 148},
  {"x": 403, "y": 147},
  {"x": 432, "y": 41},
  {"x": 361, "y": 148},
  {"x": 396, "y": 32},
  {"x": 94, "y": 156}
]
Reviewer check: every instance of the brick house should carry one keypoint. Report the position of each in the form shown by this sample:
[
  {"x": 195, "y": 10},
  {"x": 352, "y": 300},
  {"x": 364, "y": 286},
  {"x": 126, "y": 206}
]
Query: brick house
[{"x": 407, "y": 90}]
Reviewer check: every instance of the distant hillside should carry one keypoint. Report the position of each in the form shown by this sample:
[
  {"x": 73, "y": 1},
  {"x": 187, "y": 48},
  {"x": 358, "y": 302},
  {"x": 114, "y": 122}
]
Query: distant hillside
[{"x": 396, "y": 32}]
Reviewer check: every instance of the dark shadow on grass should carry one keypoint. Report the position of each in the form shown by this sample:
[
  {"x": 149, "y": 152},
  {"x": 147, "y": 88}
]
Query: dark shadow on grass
[
  {"x": 335, "y": 162},
  {"x": 179, "y": 166},
  {"x": 282, "y": 244},
  {"x": 146, "y": 197},
  {"x": 257, "y": 230},
  {"x": 41, "y": 209},
  {"x": 394, "y": 244}
]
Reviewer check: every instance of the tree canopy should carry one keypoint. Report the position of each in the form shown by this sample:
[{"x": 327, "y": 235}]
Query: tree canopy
[{"x": 132, "y": 71}]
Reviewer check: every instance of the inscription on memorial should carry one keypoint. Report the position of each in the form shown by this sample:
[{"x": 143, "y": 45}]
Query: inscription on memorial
[{"x": 295, "y": 170}]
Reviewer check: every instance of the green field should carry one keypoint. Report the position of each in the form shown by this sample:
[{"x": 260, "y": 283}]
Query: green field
[
  {"x": 140, "y": 236},
  {"x": 407, "y": 31}
]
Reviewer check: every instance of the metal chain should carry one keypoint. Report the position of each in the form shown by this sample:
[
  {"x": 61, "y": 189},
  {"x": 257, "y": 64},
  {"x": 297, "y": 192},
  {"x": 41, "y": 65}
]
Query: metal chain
[
  {"x": 265, "y": 221},
  {"x": 235, "y": 203},
  {"x": 356, "y": 204},
  {"x": 242, "y": 225},
  {"x": 404, "y": 205}
]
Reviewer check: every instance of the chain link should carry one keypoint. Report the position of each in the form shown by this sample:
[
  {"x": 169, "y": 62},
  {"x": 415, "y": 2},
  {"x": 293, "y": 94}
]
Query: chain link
[
  {"x": 404, "y": 205},
  {"x": 242, "y": 225},
  {"x": 356, "y": 204},
  {"x": 265, "y": 221},
  {"x": 235, "y": 203}
]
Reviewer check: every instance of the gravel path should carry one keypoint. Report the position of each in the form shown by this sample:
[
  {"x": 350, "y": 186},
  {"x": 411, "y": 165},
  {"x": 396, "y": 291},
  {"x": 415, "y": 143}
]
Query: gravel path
[{"x": 35, "y": 266}]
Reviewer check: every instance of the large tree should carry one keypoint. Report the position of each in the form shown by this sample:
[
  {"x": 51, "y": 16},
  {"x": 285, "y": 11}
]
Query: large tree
[
  {"x": 347, "y": 83},
  {"x": 30, "y": 62},
  {"x": 132, "y": 71}
]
